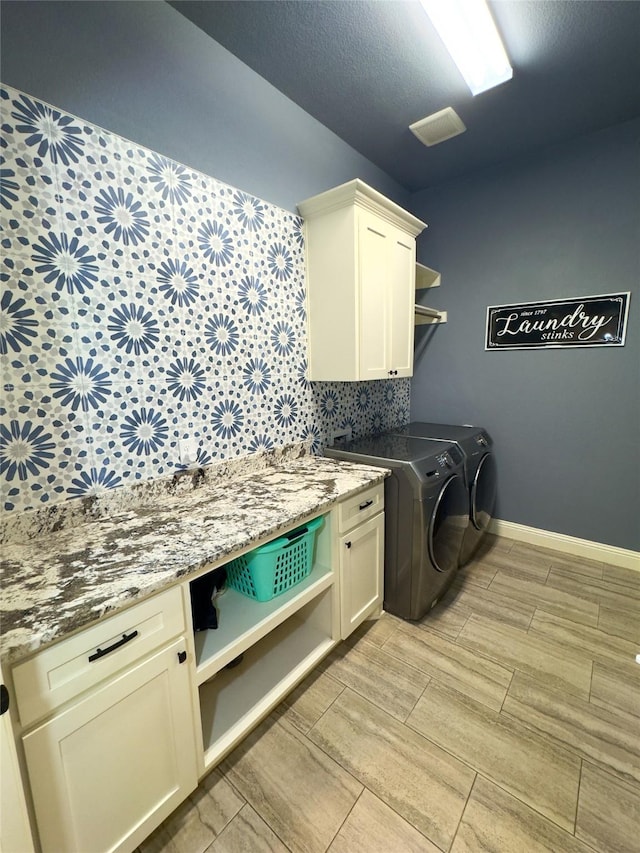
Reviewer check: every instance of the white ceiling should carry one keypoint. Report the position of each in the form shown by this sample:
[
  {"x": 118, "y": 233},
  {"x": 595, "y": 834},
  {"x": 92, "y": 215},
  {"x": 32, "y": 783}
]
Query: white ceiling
[{"x": 367, "y": 70}]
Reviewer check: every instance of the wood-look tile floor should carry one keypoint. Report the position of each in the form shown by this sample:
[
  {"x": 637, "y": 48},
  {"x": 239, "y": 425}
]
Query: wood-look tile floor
[{"x": 508, "y": 720}]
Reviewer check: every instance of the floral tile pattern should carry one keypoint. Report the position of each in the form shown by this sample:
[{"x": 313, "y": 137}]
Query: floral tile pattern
[{"x": 142, "y": 303}]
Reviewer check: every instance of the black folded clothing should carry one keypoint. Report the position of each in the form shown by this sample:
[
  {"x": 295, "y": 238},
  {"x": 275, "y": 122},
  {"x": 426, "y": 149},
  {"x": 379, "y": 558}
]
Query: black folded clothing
[{"x": 202, "y": 591}]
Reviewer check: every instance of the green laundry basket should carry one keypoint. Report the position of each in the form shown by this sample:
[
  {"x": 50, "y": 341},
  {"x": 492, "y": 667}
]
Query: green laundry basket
[{"x": 275, "y": 567}]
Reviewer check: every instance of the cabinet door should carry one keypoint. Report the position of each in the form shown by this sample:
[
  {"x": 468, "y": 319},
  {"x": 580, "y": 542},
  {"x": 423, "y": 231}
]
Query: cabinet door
[
  {"x": 361, "y": 573},
  {"x": 15, "y": 831},
  {"x": 402, "y": 298},
  {"x": 386, "y": 257},
  {"x": 111, "y": 767},
  {"x": 374, "y": 252}
]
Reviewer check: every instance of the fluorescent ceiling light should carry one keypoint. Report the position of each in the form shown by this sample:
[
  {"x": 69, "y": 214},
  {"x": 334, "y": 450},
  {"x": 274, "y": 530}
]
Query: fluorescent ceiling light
[{"x": 469, "y": 34}]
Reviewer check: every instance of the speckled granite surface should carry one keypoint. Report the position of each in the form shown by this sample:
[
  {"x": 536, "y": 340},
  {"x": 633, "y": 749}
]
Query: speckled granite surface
[{"x": 65, "y": 568}]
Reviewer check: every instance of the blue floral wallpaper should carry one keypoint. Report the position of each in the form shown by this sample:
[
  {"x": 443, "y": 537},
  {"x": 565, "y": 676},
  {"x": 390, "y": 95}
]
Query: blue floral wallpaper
[{"x": 143, "y": 303}]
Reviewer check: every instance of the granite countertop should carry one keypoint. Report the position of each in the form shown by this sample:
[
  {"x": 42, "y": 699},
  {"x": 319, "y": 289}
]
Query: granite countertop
[{"x": 65, "y": 567}]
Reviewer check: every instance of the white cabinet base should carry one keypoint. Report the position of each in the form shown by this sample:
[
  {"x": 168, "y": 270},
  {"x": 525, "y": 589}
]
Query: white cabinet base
[
  {"x": 111, "y": 767},
  {"x": 15, "y": 830},
  {"x": 110, "y": 756},
  {"x": 361, "y": 573}
]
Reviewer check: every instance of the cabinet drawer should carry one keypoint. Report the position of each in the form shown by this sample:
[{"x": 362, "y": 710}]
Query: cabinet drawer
[
  {"x": 66, "y": 669},
  {"x": 360, "y": 507}
]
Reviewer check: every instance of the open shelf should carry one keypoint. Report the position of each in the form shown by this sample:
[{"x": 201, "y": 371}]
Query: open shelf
[
  {"x": 242, "y": 621},
  {"x": 234, "y": 700},
  {"x": 426, "y": 277},
  {"x": 280, "y": 642}
]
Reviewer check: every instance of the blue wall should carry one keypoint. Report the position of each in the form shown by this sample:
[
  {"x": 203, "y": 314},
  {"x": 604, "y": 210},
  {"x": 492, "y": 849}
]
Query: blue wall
[
  {"x": 143, "y": 71},
  {"x": 566, "y": 422}
]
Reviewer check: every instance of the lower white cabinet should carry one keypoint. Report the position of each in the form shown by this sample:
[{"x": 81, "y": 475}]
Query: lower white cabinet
[
  {"x": 361, "y": 550},
  {"x": 361, "y": 556},
  {"x": 120, "y": 720},
  {"x": 109, "y": 768},
  {"x": 15, "y": 830}
]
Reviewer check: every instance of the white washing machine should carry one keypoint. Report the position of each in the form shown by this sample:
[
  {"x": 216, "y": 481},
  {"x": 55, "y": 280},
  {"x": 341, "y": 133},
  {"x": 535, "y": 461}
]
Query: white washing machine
[
  {"x": 426, "y": 516},
  {"x": 480, "y": 473}
]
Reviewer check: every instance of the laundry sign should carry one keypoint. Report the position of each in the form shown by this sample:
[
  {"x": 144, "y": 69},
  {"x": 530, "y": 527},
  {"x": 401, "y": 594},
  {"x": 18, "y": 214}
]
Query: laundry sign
[{"x": 589, "y": 321}]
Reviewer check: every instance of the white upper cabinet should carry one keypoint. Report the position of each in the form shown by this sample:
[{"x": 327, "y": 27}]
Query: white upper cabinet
[{"x": 360, "y": 284}]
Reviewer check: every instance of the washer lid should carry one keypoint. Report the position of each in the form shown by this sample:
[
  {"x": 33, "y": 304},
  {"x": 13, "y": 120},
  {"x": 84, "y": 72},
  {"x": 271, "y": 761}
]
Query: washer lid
[
  {"x": 430, "y": 462},
  {"x": 390, "y": 448},
  {"x": 473, "y": 441}
]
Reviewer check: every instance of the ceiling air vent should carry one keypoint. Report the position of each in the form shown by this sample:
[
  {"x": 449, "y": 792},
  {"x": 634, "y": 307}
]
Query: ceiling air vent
[{"x": 438, "y": 127}]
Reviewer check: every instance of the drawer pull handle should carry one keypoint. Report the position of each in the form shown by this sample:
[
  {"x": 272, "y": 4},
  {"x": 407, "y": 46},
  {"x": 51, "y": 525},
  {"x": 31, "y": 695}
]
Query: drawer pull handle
[
  {"x": 4, "y": 699},
  {"x": 100, "y": 653},
  {"x": 365, "y": 505}
]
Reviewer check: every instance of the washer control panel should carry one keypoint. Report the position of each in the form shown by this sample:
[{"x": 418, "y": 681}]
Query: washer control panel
[
  {"x": 444, "y": 460},
  {"x": 482, "y": 439}
]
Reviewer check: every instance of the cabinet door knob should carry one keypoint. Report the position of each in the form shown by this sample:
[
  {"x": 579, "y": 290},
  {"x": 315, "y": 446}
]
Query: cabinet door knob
[
  {"x": 182, "y": 656},
  {"x": 348, "y": 544}
]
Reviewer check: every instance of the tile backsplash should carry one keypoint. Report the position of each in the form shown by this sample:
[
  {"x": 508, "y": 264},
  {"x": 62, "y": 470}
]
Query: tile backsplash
[{"x": 143, "y": 304}]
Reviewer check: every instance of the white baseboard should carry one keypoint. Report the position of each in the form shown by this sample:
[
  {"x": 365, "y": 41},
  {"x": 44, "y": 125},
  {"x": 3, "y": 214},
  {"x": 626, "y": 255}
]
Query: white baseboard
[{"x": 567, "y": 544}]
